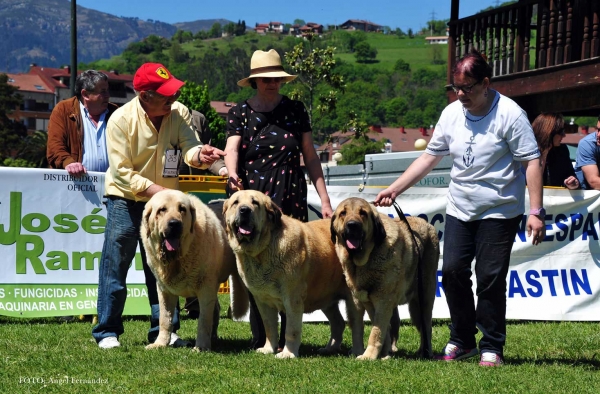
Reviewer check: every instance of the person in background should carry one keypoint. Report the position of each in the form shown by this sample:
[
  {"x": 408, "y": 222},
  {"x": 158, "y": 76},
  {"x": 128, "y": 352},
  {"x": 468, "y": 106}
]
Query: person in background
[
  {"x": 489, "y": 139},
  {"x": 588, "y": 160},
  {"x": 549, "y": 130},
  {"x": 142, "y": 136},
  {"x": 266, "y": 135},
  {"x": 204, "y": 135},
  {"x": 77, "y": 127}
]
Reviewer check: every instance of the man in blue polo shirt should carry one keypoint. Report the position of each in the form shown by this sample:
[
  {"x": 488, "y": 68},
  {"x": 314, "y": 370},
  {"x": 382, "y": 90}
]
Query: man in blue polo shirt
[{"x": 588, "y": 160}]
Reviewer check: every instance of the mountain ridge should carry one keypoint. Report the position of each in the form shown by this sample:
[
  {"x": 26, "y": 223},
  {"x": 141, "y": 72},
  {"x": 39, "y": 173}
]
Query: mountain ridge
[{"x": 40, "y": 32}]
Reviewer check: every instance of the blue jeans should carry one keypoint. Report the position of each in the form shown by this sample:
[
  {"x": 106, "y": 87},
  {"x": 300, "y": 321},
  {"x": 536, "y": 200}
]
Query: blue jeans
[
  {"x": 490, "y": 242},
  {"x": 121, "y": 237}
]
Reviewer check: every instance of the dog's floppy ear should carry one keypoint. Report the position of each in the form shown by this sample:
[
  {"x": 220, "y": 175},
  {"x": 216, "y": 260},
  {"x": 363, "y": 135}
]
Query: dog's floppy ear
[
  {"x": 193, "y": 212},
  {"x": 378, "y": 230},
  {"x": 274, "y": 213},
  {"x": 146, "y": 219},
  {"x": 332, "y": 229}
]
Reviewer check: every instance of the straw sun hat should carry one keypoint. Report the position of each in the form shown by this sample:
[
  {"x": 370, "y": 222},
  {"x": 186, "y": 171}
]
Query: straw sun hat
[{"x": 266, "y": 64}]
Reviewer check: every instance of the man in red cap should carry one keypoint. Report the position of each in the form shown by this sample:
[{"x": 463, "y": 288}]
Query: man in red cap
[{"x": 145, "y": 140}]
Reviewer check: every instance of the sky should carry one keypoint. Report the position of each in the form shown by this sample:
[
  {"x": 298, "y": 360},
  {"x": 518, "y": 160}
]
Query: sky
[{"x": 404, "y": 14}]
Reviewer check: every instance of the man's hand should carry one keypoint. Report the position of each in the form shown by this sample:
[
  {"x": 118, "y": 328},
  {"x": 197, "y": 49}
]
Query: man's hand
[
  {"x": 76, "y": 169},
  {"x": 536, "y": 229},
  {"x": 208, "y": 154}
]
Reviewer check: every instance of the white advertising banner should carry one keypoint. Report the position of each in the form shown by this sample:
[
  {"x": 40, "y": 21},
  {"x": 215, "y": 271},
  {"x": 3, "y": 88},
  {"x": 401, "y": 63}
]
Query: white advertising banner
[
  {"x": 51, "y": 235},
  {"x": 52, "y": 230},
  {"x": 556, "y": 280}
]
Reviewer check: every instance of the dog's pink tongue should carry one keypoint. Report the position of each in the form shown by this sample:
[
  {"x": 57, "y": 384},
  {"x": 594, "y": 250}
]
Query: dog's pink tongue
[
  {"x": 172, "y": 244},
  {"x": 352, "y": 244},
  {"x": 244, "y": 231}
]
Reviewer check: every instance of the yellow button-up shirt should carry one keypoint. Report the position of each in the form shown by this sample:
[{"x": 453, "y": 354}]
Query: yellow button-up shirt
[{"x": 136, "y": 150}]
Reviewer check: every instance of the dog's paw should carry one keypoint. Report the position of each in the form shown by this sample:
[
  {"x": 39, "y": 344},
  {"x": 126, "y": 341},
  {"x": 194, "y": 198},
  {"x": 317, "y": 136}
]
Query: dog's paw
[
  {"x": 286, "y": 354},
  {"x": 366, "y": 356},
  {"x": 265, "y": 350},
  {"x": 154, "y": 346},
  {"x": 387, "y": 358},
  {"x": 200, "y": 349}
]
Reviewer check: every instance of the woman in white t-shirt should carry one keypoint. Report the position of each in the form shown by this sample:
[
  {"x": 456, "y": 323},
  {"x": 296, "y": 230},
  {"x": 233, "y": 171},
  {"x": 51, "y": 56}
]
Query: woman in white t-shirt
[{"x": 489, "y": 138}]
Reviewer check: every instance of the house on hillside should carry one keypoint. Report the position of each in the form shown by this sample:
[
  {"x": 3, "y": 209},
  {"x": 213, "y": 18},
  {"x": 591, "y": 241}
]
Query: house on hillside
[
  {"x": 262, "y": 28},
  {"x": 311, "y": 28},
  {"x": 358, "y": 24},
  {"x": 437, "y": 40},
  {"x": 545, "y": 54},
  {"x": 43, "y": 87},
  {"x": 277, "y": 27}
]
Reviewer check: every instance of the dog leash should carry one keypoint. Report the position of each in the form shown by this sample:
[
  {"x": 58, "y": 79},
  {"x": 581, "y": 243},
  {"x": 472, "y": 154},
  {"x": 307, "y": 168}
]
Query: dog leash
[{"x": 420, "y": 289}]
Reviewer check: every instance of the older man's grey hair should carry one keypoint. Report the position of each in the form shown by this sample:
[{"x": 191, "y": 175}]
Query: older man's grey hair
[{"x": 88, "y": 80}]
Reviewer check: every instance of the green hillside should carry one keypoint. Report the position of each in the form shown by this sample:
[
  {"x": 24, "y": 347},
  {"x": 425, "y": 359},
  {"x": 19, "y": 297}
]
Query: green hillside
[
  {"x": 415, "y": 51},
  {"x": 402, "y": 85}
]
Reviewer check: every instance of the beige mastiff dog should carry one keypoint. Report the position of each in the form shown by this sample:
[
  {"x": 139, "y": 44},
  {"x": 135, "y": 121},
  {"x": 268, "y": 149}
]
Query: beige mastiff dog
[
  {"x": 288, "y": 266},
  {"x": 384, "y": 268},
  {"x": 187, "y": 250}
]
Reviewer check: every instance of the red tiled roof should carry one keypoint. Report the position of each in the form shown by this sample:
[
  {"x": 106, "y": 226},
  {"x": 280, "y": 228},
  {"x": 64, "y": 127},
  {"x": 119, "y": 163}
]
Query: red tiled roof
[
  {"x": 221, "y": 107},
  {"x": 28, "y": 83}
]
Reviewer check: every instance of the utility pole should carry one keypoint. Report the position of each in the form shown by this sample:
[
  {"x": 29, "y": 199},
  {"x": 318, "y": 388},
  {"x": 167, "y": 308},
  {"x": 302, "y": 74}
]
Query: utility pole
[
  {"x": 73, "y": 45},
  {"x": 431, "y": 24}
]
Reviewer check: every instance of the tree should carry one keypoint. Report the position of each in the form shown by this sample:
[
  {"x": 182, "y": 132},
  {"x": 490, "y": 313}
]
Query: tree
[
  {"x": 361, "y": 145},
  {"x": 196, "y": 97},
  {"x": 364, "y": 53},
  {"x": 230, "y": 29},
  {"x": 33, "y": 150},
  {"x": 315, "y": 68},
  {"x": 11, "y": 133},
  {"x": 299, "y": 22},
  {"x": 410, "y": 33},
  {"x": 401, "y": 66},
  {"x": 215, "y": 30}
]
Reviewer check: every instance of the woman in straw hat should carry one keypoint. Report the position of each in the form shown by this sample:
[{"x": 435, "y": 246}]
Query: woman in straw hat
[{"x": 266, "y": 135}]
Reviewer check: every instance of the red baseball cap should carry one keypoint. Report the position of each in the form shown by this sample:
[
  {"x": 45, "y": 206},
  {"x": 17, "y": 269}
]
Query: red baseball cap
[{"x": 156, "y": 77}]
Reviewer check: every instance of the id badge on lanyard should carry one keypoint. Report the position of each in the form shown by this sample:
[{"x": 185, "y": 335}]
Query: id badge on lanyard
[{"x": 172, "y": 157}]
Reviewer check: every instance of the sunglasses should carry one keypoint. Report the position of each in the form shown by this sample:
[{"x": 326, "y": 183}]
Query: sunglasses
[
  {"x": 167, "y": 99},
  {"x": 559, "y": 132},
  {"x": 267, "y": 80},
  {"x": 465, "y": 89}
]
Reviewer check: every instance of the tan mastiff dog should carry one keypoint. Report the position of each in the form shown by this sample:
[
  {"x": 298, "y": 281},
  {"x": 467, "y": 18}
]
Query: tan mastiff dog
[
  {"x": 187, "y": 250},
  {"x": 288, "y": 266},
  {"x": 384, "y": 268}
]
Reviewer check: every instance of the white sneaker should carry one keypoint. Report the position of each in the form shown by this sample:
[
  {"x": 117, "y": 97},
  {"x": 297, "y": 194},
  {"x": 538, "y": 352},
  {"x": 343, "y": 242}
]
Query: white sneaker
[
  {"x": 109, "y": 343},
  {"x": 178, "y": 342}
]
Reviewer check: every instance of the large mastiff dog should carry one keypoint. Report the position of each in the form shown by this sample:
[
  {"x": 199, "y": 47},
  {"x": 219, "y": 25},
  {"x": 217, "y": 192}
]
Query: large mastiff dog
[
  {"x": 187, "y": 250},
  {"x": 384, "y": 268},
  {"x": 288, "y": 266}
]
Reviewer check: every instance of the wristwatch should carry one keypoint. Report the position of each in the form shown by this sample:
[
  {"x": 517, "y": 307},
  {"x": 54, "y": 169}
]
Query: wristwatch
[{"x": 541, "y": 212}]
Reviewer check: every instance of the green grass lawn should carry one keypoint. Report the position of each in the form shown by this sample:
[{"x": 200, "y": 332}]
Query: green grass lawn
[{"x": 47, "y": 355}]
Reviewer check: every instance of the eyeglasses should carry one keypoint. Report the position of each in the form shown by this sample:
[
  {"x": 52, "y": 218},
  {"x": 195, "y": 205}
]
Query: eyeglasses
[
  {"x": 267, "y": 80},
  {"x": 465, "y": 89}
]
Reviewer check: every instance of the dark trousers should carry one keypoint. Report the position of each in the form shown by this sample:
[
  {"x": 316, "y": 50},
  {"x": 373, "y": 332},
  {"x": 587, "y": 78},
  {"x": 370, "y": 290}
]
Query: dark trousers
[
  {"x": 121, "y": 237},
  {"x": 490, "y": 242},
  {"x": 259, "y": 336}
]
